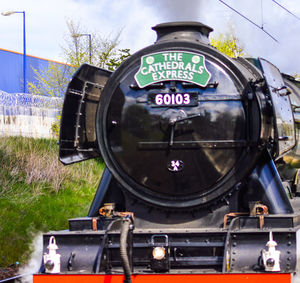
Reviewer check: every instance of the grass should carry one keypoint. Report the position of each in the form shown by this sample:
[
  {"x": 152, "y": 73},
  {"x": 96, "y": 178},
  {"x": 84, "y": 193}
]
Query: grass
[{"x": 38, "y": 193}]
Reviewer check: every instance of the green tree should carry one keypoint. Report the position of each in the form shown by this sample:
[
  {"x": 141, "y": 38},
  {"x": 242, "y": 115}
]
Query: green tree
[
  {"x": 53, "y": 80},
  {"x": 104, "y": 51},
  {"x": 228, "y": 44},
  {"x": 116, "y": 60}
]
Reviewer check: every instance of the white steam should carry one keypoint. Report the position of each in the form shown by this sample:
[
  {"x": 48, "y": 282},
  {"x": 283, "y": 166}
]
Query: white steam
[
  {"x": 177, "y": 10},
  {"x": 35, "y": 260},
  {"x": 276, "y": 21}
]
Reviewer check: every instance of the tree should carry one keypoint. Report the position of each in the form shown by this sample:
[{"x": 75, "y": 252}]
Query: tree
[
  {"x": 53, "y": 81},
  {"x": 120, "y": 56},
  {"x": 104, "y": 52},
  {"x": 228, "y": 44}
]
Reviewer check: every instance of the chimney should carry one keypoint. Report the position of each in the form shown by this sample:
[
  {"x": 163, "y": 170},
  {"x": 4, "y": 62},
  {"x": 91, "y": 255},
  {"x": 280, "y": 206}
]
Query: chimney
[{"x": 182, "y": 31}]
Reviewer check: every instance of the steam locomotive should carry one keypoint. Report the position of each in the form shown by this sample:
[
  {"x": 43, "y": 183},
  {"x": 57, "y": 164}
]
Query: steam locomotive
[{"x": 192, "y": 140}]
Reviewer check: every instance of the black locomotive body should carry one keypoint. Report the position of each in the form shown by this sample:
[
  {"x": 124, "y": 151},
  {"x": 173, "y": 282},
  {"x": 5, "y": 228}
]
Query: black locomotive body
[{"x": 191, "y": 190}]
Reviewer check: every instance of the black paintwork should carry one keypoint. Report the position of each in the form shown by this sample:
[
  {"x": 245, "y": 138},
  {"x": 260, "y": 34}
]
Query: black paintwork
[
  {"x": 190, "y": 250},
  {"x": 77, "y": 140},
  {"x": 213, "y": 159},
  {"x": 225, "y": 143}
]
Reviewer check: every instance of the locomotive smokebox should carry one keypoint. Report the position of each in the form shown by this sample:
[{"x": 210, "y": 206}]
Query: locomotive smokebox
[
  {"x": 186, "y": 31},
  {"x": 174, "y": 124},
  {"x": 179, "y": 125}
]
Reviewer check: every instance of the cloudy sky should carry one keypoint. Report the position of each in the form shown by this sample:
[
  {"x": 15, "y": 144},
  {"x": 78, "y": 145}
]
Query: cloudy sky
[{"x": 46, "y": 24}]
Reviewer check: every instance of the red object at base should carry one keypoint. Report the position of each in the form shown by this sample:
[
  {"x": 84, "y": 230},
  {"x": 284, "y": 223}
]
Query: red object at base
[{"x": 165, "y": 278}]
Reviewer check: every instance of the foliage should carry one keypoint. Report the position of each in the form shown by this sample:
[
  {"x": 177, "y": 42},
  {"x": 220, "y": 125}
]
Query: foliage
[
  {"x": 104, "y": 52},
  {"x": 228, "y": 44},
  {"x": 120, "y": 56},
  {"x": 78, "y": 48},
  {"x": 38, "y": 193},
  {"x": 51, "y": 81},
  {"x": 55, "y": 127}
]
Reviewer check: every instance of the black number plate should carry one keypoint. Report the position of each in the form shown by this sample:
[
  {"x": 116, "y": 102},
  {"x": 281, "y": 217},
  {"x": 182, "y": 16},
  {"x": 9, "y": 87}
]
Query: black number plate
[{"x": 173, "y": 99}]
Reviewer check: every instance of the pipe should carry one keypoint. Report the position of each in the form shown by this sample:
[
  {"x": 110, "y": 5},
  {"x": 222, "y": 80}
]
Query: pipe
[
  {"x": 100, "y": 194},
  {"x": 98, "y": 260},
  {"x": 123, "y": 249},
  {"x": 264, "y": 184},
  {"x": 12, "y": 279}
]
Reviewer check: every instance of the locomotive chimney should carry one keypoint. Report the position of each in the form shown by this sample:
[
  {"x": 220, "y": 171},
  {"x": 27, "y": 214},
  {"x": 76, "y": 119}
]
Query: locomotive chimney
[{"x": 182, "y": 31}]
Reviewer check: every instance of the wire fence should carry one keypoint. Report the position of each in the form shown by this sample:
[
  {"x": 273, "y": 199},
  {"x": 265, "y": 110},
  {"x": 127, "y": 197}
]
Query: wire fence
[{"x": 23, "y": 114}]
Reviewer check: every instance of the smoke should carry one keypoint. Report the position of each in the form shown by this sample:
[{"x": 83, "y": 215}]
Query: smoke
[
  {"x": 273, "y": 19},
  {"x": 35, "y": 260},
  {"x": 177, "y": 10}
]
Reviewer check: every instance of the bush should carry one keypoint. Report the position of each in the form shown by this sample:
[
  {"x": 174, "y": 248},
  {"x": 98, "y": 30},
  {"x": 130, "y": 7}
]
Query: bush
[
  {"x": 38, "y": 193},
  {"x": 55, "y": 127}
]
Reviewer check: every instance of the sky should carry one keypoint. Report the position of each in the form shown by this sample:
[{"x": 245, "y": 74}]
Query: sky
[{"x": 46, "y": 26}]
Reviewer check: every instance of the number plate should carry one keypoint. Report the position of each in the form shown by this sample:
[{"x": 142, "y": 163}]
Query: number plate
[{"x": 172, "y": 99}]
